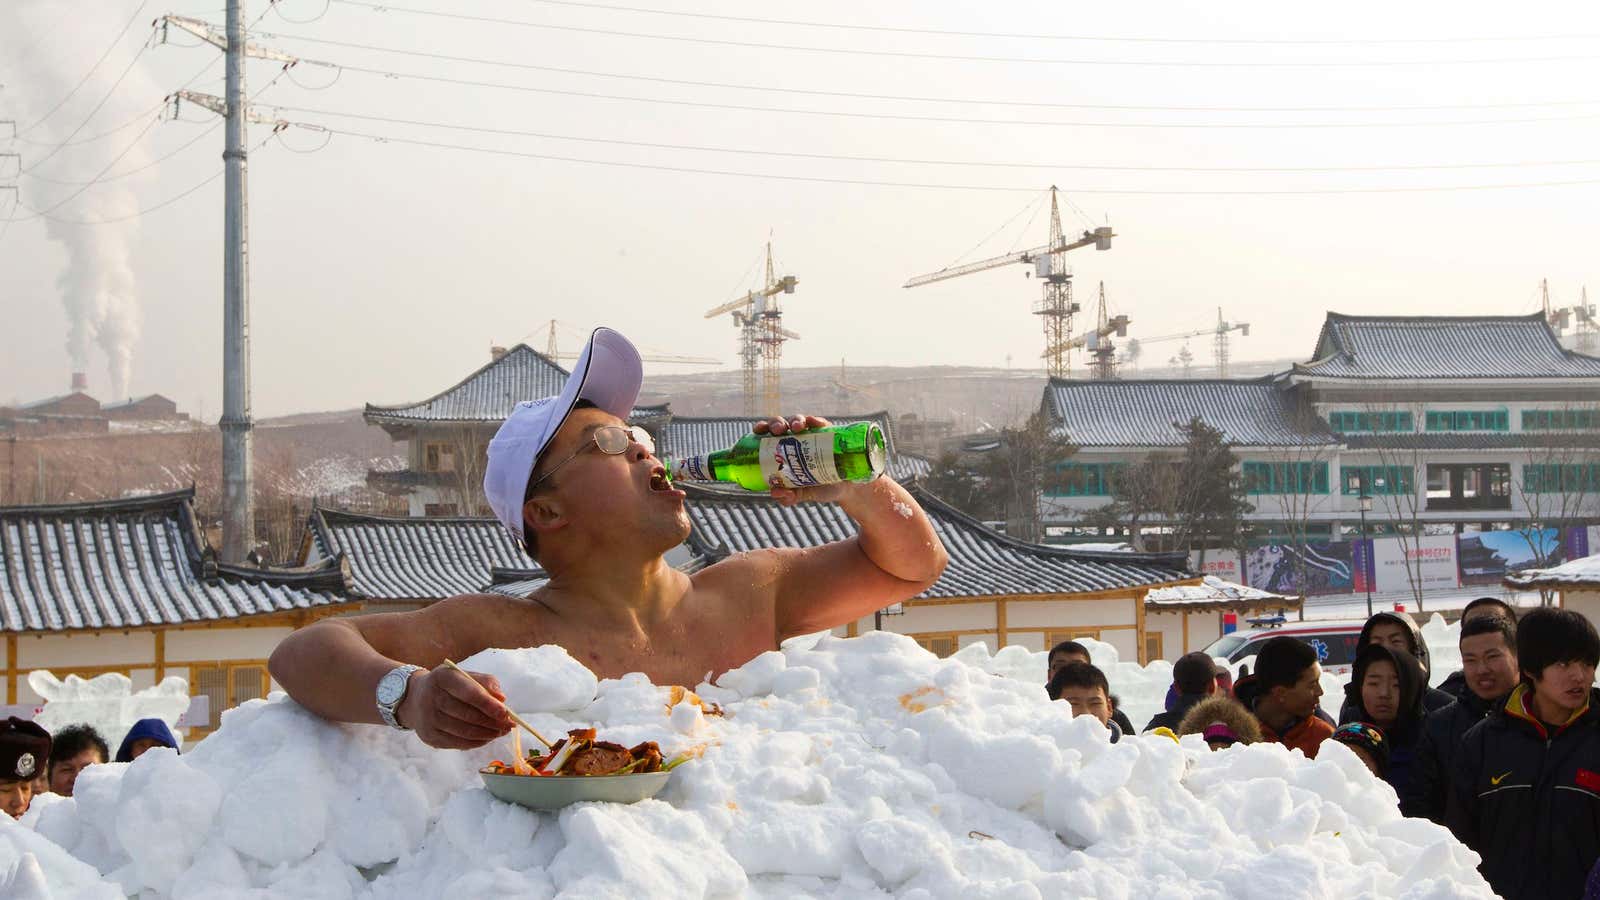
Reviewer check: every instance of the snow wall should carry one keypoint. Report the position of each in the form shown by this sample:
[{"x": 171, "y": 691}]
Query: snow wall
[{"x": 844, "y": 768}]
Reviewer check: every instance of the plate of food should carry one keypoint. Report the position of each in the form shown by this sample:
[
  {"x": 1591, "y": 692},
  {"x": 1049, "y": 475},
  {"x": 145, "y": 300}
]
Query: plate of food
[{"x": 580, "y": 767}]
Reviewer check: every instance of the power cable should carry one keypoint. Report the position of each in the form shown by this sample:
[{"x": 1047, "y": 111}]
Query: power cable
[
  {"x": 92, "y": 69},
  {"x": 1054, "y": 37},
  {"x": 388, "y": 139},
  {"x": 146, "y": 210},
  {"x": 912, "y": 98},
  {"x": 97, "y": 107},
  {"x": 909, "y": 117},
  {"x": 836, "y": 157},
  {"x": 956, "y": 57}
]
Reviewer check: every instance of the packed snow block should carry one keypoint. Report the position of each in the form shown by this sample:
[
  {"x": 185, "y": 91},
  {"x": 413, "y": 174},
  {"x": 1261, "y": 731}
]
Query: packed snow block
[
  {"x": 860, "y": 767},
  {"x": 34, "y": 868},
  {"x": 541, "y": 679}
]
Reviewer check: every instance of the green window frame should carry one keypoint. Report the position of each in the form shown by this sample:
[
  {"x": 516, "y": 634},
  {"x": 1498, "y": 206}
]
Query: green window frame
[
  {"x": 1560, "y": 419},
  {"x": 1086, "y": 479},
  {"x": 1549, "y": 478},
  {"x": 1285, "y": 478},
  {"x": 1467, "y": 420},
  {"x": 1353, "y": 422},
  {"x": 1381, "y": 481}
]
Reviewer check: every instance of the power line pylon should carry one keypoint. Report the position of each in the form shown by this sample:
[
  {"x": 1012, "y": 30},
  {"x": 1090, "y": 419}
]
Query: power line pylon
[{"x": 237, "y": 426}]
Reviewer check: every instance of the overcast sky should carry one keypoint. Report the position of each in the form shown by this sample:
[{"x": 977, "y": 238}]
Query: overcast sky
[{"x": 384, "y": 271}]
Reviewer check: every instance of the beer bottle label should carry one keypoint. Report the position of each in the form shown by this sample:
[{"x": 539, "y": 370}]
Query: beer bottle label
[
  {"x": 690, "y": 468},
  {"x": 799, "y": 460}
]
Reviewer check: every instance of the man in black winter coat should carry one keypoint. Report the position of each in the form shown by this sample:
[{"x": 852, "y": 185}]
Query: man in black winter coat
[
  {"x": 1385, "y": 690},
  {"x": 1484, "y": 607},
  {"x": 1397, "y": 632},
  {"x": 1194, "y": 677},
  {"x": 1489, "y": 672},
  {"x": 1525, "y": 785}
]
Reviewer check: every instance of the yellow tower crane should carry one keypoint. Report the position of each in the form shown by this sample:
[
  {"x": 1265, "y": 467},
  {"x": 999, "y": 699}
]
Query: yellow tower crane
[
  {"x": 759, "y": 317},
  {"x": 1050, "y": 264},
  {"x": 1103, "y": 354}
]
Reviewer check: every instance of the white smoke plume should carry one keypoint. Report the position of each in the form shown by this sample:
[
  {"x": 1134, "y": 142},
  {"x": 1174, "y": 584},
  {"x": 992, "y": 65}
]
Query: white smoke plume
[{"x": 98, "y": 287}]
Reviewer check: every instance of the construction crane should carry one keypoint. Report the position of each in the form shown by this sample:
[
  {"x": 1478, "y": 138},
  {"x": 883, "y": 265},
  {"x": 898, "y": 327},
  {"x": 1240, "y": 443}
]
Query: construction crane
[
  {"x": 1050, "y": 264},
  {"x": 1581, "y": 315},
  {"x": 759, "y": 317},
  {"x": 1220, "y": 341},
  {"x": 551, "y": 351},
  {"x": 1103, "y": 355}
]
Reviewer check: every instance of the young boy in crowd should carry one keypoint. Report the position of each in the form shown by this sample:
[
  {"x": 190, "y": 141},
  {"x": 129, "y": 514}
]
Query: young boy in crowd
[
  {"x": 1084, "y": 688},
  {"x": 1068, "y": 652},
  {"x": 1488, "y": 673},
  {"x": 1525, "y": 784},
  {"x": 24, "y": 747},
  {"x": 1283, "y": 694}
]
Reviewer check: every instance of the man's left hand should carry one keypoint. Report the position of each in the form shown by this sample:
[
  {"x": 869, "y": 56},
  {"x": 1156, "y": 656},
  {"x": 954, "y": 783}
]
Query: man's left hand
[{"x": 825, "y": 493}]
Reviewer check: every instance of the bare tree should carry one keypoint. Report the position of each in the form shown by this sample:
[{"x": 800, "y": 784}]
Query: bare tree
[
  {"x": 1399, "y": 487},
  {"x": 1299, "y": 483},
  {"x": 1560, "y": 483},
  {"x": 1139, "y": 491},
  {"x": 462, "y": 465}
]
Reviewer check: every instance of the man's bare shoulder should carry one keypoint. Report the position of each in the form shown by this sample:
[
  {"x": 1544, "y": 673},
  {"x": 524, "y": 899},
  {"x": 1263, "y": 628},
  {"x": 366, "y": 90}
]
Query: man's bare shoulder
[{"x": 753, "y": 568}]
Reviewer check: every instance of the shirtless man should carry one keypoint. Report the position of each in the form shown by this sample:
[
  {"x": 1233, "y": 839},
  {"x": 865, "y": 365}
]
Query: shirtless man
[{"x": 585, "y": 495}]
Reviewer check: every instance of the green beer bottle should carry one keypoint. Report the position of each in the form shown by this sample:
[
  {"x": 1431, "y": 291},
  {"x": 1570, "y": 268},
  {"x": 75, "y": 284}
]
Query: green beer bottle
[{"x": 819, "y": 456}]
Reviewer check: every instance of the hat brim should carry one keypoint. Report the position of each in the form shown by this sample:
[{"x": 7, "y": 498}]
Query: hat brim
[{"x": 609, "y": 374}]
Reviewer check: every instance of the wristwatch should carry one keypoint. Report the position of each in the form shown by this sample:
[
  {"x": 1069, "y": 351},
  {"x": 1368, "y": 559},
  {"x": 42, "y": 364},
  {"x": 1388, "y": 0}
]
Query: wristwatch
[{"x": 391, "y": 690}]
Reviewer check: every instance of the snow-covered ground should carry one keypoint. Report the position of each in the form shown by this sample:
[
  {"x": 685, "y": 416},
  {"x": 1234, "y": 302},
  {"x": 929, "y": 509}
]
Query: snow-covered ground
[{"x": 859, "y": 767}]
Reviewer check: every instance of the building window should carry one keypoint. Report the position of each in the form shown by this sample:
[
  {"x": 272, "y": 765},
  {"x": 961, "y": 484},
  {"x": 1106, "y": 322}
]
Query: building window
[
  {"x": 227, "y": 684},
  {"x": 1560, "y": 419},
  {"x": 1152, "y": 647},
  {"x": 1285, "y": 478},
  {"x": 1052, "y": 638},
  {"x": 1468, "y": 420},
  {"x": 1469, "y": 486},
  {"x": 1084, "y": 479},
  {"x": 1348, "y": 422},
  {"x": 438, "y": 458},
  {"x": 940, "y": 645},
  {"x": 1379, "y": 480},
  {"x": 1561, "y": 479}
]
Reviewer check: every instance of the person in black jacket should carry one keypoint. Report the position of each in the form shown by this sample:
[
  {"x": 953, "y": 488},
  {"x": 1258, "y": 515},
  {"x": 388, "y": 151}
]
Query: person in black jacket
[
  {"x": 1525, "y": 785},
  {"x": 1385, "y": 690},
  {"x": 1489, "y": 672},
  {"x": 1397, "y": 632},
  {"x": 1484, "y": 607},
  {"x": 1194, "y": 678}
]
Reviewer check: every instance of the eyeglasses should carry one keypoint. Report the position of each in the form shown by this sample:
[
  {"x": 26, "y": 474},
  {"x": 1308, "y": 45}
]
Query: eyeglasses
[{"x": 612, "y": 440}]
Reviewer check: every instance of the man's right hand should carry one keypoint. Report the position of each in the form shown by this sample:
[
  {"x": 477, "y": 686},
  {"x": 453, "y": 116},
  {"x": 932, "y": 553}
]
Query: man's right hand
[{"x": 454, "y": 710}]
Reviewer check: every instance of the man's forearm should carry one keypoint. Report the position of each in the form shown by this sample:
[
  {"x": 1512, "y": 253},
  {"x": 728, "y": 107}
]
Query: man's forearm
[
  {"x": 895, "y": 532},
  {"x": 330, "y": 669}
]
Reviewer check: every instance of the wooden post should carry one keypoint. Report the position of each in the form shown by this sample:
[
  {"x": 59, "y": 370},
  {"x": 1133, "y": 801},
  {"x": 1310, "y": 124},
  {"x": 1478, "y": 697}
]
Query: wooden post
[
  {"x": 161, "y": 654},
  {"x": 1186, "y": 631},
  {"x": 1000, "y": 621},
  {"x": 11, "y": 668},
  {"x": 1138, "y": 613}
]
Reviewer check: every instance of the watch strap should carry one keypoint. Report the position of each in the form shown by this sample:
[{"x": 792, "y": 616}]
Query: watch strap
[{"x": 388, "y": 711}]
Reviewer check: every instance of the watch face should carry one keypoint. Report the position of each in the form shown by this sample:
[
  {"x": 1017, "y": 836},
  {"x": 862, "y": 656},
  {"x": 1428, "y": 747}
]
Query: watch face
[{"x": 392, "y": 688}]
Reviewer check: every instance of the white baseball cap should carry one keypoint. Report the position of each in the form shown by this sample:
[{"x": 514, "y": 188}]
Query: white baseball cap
[{"x": 608, "y": 374}]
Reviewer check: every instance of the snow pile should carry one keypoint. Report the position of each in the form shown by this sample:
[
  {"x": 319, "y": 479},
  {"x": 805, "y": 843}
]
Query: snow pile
[
  {"x": 843, "y": 768},
  {"x": 1210, "y": 590},
  {"x": 1583, "y": 570},
  {"x": 107, "y": 702}
]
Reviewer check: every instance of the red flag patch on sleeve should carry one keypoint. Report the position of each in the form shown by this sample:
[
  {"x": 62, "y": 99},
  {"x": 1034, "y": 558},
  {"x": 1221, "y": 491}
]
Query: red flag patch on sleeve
[{"x": 1588, "y": 780}]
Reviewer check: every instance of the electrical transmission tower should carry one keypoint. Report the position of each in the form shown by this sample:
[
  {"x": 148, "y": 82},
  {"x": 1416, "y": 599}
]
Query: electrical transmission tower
[{"x": 238, "y": 500}]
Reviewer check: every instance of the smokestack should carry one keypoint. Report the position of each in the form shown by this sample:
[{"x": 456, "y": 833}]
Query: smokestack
[{"x": 80, "y": 382}]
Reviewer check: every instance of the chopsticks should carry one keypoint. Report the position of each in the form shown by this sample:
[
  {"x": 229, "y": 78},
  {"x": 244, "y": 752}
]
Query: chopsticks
[{"x": 514, "y": 717}]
